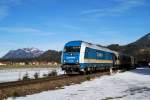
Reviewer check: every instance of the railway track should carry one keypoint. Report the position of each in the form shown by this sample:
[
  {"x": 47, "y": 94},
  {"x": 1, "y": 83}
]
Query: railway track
[
  {"x": 32, "y": 86},
  {"x": 31, "y": 81},
  {"x": 39, "y": 80}
]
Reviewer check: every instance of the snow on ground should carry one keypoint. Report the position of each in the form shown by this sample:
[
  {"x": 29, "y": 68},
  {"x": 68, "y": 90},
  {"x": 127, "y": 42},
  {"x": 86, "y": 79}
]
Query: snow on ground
[
  {"x": 18, "y": 73},
  {"x": 130, "y": 85}
]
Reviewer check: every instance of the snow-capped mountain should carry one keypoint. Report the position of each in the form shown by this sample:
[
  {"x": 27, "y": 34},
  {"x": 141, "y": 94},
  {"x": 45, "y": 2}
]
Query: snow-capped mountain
[
  {"x": 36, "y": 52},
  {"x": 23, "y": 53}
]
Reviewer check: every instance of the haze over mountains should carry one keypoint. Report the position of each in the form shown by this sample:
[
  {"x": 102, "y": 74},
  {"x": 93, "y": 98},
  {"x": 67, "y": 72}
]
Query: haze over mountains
[{"x": 140, "y": 49}]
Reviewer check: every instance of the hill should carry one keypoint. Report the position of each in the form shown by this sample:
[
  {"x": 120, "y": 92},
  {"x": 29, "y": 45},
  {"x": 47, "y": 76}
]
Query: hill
[
  {"x": 140, "y": 48},
  {"x": 50, "y": 56}
]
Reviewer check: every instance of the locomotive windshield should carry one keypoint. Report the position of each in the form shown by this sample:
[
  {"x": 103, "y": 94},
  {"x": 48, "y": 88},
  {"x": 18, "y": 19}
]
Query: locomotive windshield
[{"x": 72, "y": 49}]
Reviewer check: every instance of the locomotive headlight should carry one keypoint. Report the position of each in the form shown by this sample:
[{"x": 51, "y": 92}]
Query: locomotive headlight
[
  {"x": 77, "y": 61},
  {"x": 64, "y": 61}
]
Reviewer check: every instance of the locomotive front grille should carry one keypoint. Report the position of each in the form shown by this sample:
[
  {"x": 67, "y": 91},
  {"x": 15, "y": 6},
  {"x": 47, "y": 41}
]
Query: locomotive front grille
[{"x": 71, "y": 67}]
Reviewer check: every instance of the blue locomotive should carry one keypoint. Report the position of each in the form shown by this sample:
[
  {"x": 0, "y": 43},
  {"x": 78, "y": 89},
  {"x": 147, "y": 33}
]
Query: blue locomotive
[{"x": 80, "y": 57}]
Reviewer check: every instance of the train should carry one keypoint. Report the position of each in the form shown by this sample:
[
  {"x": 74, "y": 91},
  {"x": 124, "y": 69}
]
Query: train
[{"x": 83, "y": 57}]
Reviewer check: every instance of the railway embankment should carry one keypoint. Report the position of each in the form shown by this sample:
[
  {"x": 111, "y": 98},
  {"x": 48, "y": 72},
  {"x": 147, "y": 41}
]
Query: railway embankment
[{"x": 32, "y": 86}]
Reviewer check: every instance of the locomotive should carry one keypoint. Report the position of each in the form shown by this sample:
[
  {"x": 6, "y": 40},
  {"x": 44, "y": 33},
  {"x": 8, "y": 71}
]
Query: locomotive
[{"x": 80, "y": 57}]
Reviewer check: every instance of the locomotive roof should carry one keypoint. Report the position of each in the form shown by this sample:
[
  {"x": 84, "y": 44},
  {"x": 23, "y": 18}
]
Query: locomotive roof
[
  {"x": 79, "y": 42},
  {"x": 74, "y": 43},
  {"x": 99, "y": 47}
]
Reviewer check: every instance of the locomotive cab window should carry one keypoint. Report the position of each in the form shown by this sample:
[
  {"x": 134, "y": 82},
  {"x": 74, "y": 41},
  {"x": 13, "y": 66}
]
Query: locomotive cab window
[{"x": 72, "y": 49}]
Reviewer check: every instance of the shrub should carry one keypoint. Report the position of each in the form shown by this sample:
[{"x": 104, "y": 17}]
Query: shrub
[
  {"x": 52, "y": 73},
  {"x": 26, "y": 77},
  {"x": 36, "y": 75},
  {"x": 15, "y": 94},
  {"x": 88, "y": 77},
  {"x": 45, "y": 75}
]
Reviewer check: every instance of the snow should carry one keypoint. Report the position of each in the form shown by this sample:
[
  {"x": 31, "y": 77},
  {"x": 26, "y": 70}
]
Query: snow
[
  {"x": 34, "y": 51},
  {"x": 130, "y": 85},
  {"x": 18, "y": 73}
]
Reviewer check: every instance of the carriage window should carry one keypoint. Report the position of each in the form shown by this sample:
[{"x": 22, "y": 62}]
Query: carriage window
[
  {"x": 72, "y": 49},
  {"x": 100, "y": 55}
]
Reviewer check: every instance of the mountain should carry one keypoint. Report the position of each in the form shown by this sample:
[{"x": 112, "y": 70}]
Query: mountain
[
  {"x": 140, "y": 48},
  {"x": 23, "y": 53},
  {"x": 143, "y": 42},
  {"x": 50, "y": 55}
]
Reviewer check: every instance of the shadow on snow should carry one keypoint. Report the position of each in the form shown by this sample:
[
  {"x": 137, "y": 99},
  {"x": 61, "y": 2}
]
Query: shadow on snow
[{"x": 142, "y": 70}]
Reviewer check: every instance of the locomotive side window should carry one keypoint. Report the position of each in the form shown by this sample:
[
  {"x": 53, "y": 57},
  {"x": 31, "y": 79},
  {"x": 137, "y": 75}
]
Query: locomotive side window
[
  {"x": 86, "y": 53},
  {"x": 100, "y": 54},
  {"x": 72, "y": 49},
  {"x": 90, "y": 53}
]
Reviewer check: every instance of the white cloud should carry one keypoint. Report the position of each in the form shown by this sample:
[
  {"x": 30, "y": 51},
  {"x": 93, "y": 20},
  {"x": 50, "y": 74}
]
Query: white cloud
[
  {"x": 3, "y": 12},
  {"x": 126, "y": 5},
  {"x": 68, "y": 26},
  {"x": 120, "y": 7},
  {"x": 22, "y": 30},
  {"x": 6, "y": 5}
]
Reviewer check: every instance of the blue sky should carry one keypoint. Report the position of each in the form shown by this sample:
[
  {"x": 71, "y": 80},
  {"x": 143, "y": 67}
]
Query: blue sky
[{"x": 48, "y": 24}]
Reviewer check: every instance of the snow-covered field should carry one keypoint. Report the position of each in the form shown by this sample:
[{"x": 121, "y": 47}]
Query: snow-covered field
[
  {"x": 18, "y": 73},
  {"x": 130, "y": 85}
]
